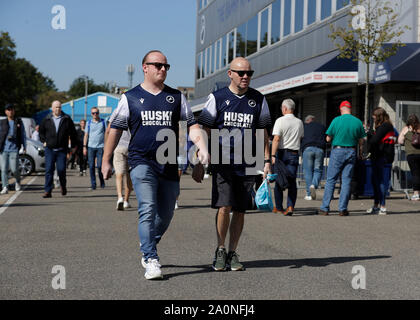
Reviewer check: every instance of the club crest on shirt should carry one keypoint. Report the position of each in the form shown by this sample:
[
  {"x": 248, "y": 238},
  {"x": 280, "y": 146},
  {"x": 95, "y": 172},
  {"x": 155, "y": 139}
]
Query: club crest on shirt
[
  {"x": 227, "y": 102},
  {"x": 141, "y": 100},
  {"x": 252, "y": 103},
  {"x": 170, "y": 99}
]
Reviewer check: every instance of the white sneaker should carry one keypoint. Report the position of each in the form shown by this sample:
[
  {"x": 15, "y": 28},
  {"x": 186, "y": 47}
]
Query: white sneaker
[
  {"x": 144, "y": 262},
  {"x": 153, "y": 270},
  {"x": 17, "y": 186},
  {"x": 415, "y": 197},
  {"x": 176, "y": 205},
  {"x": 373, "y": 210},
  {"x": 126, "y": 205},
  {"x": 206, "y": 176},
  {"x": 308, "y": 198},
  {"x": 313, "y": 192},
  {"x": 120, "y": 204},
  {"x": 4, "y": 191},
  {"x": 382, "y": 211}
]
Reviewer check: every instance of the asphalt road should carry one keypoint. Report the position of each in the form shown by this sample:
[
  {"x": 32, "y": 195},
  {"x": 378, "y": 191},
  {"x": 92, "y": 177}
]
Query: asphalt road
[{"x": 300, "y": 257}]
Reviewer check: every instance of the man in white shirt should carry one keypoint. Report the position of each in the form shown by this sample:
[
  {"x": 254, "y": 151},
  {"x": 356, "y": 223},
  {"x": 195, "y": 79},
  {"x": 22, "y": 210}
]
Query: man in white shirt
[{"x": 287, "y": 132}]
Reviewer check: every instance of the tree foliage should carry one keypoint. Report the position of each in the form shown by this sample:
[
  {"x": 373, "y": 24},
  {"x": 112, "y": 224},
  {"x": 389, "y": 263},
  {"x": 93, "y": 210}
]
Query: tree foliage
[
  {"x": 367, "y": 32},
  {"x": 77, "y": 88},
  {"x": 20, "y": 82}
]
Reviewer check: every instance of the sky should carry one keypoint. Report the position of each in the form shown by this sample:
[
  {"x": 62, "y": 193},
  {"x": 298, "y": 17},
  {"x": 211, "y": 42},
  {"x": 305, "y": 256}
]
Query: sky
[{"x": 102, "y": 37}]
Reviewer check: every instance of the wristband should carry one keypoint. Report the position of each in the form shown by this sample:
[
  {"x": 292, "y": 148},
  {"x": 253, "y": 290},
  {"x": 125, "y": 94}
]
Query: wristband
[{"x": 267, "y": 161}]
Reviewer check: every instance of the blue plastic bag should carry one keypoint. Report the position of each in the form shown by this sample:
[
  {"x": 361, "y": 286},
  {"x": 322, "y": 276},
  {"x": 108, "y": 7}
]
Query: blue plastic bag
[{"x": 263, "y": 198}]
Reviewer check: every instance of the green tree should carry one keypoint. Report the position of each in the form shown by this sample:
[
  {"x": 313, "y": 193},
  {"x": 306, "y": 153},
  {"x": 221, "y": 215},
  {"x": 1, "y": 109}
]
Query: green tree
[
  {"x": 20, "y": 82},
  {"x": 372, "y": 23},
  {"x": 77, "y": 88}
]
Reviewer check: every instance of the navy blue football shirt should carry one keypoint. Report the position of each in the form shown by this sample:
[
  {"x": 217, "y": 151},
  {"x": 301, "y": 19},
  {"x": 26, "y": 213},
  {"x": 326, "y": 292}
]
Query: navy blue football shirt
[
  {"x": 145, "y": 114},
  {"x": 226, "y": 110}
]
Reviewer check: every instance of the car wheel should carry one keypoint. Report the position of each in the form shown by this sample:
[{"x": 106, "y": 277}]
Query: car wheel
[{"x": 26, "y": 165}]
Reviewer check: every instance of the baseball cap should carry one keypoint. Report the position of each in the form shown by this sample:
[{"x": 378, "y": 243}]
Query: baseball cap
[
  {"x": 9, "y": 106},
  {"x": 345, "y": 104}
]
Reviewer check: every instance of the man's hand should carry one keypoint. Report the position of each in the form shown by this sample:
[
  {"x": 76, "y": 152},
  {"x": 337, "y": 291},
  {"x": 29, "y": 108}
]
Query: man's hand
[
  {"x": 85, "y": 151},
  {"x": 106, "y": 169},
  {"x": 198, "y": 173},
  {"x": 267, "y": 170},
  {"x": 203, "y": 157}
]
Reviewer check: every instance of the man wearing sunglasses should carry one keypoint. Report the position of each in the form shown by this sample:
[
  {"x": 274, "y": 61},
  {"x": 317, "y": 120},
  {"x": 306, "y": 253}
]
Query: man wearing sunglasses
[
  {"x": 240, "y": 108},
  {"x": 145, "y": 111},
  {"x": 93, "y": 146}
]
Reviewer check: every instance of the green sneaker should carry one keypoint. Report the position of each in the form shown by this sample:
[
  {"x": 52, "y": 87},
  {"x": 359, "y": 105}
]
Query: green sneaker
[
  {"x": 219, "y": 262},
  {"x": 233, "y": 262}
]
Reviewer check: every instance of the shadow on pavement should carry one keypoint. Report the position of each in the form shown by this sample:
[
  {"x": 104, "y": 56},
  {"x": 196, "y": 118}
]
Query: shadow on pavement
[{"x": 279, "y": 263}]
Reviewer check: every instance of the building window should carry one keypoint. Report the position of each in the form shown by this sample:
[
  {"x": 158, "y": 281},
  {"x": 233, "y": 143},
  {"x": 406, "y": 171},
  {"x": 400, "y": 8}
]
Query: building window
[
  {"x": 275, "y": 21},
  {"x": 213, "y": 60},
  {"x": 241, "y": 40},
  {"x": 325, "y": 9},
  {"x": 264, "y": 28},
  {"x": 341, "y": 4},
  {"x": 224, "y": 51},
  {"x": 287, "y": 17},
  {"x": 231, "y": 46},
  {"x": 199, "y": 65},
  {"x": 252, "y": 35},
  {"x": 217, "y": 55},
  {"x": 298, "y": 15},
  {"x": 311, "y": 11},
  {"x": 208, "y": 60}
]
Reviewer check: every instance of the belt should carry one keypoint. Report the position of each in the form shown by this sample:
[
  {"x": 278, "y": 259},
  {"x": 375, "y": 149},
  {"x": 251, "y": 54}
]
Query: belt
[
  {"x": 340, "y": 147},
  {"x": 290, "y": 150}
]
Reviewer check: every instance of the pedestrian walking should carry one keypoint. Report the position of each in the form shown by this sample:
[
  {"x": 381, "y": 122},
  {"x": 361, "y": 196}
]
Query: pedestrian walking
[
  {"x": 409, "y": 137},
  {"x": 345, "y": 133},
  {"x": 288, "y": 133},
  {"x": 313, "y": 152},
  {"x": 35, "y": 134},
  {"x": 93, "y": 147},
  {"x": 81, "y": 158},
  {"x": 146, "y": 110},
  {"x": 236, "y": 108},
  {"x": 54, "y": 132},
  {"x": 12, "y": 137},
  {"x": 121, "y": 169},
  {"x": 381, "y": 144}
]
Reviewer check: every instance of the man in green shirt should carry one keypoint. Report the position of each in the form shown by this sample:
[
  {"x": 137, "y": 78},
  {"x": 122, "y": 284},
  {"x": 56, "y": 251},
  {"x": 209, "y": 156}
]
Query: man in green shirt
[{"x": 346, "y": 132}]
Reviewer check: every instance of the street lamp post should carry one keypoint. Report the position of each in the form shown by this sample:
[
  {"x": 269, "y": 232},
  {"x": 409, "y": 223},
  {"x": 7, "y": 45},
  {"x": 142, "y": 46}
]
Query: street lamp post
[{"x": 86, "y": 93}]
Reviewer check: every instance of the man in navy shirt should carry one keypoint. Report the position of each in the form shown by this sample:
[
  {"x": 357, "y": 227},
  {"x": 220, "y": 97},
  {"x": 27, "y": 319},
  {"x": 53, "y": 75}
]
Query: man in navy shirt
[
  {"x": 150, "y": 110},
  {"x": 237, "y": 109}
]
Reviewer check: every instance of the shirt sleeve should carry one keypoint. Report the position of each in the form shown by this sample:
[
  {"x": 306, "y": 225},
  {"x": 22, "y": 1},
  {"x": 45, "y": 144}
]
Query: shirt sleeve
[
  {"x": 209, "y": 114},
  {"x": 186, "y": 113},
  {"x": 23, "y": 135},
  {"x": 119, "y": 118},
  {"x": 265, "y": 118},
  {"x": 277, "y": 128},
  {"x": 330, "y": 130}
]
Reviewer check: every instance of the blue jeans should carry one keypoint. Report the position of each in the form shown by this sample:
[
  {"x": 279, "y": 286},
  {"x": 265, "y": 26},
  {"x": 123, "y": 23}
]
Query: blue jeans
[
  {"x": 92, "y": 154},
  {"x": 156, "y": 198},
  {"x": 51, "y": 159},
  {"x": 342, "y": 162},
  {"x": 9, "y": 160},
  {"x": 381, "y": 176},
  {"x": 291, "y": 161},
  {"x": 313, "y": 164}
]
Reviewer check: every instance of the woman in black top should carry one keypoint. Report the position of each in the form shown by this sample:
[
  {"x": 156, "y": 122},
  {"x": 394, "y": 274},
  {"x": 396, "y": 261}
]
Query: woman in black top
[{"x": 381, "y": 147}]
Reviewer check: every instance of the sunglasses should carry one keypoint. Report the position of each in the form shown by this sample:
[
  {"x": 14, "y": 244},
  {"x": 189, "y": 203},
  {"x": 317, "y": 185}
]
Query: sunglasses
[
  {"x": 159, "y": 65},
  {"x": 241, "y": 73},
  {"x": 95, "y": 112}
]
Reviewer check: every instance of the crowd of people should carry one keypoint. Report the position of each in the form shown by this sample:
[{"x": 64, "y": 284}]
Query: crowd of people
[{"x": 128, "y": 147}]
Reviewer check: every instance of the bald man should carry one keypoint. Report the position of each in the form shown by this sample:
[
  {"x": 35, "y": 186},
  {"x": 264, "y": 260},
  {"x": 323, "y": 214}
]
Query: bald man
[
  {"x": 146, "y": 111},
  {"x": 54, "y": 132},
  {"x": 237, "y": 108}
]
